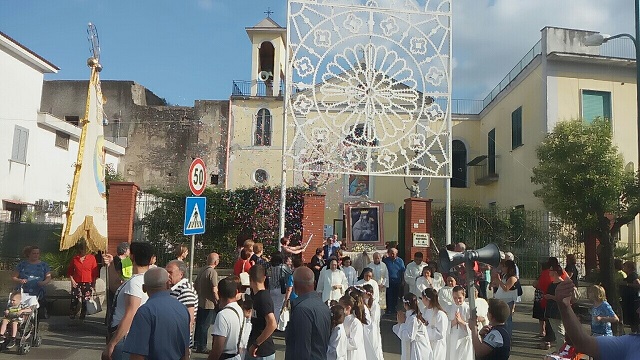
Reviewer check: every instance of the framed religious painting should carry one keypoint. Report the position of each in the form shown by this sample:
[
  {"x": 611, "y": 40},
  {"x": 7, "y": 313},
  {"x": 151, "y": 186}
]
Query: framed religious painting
[{"x": 364, "y": 223}]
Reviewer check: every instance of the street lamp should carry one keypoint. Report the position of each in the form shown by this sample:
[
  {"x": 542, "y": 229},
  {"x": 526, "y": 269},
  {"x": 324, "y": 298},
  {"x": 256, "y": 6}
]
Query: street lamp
[{"x": 599, "y": 39}]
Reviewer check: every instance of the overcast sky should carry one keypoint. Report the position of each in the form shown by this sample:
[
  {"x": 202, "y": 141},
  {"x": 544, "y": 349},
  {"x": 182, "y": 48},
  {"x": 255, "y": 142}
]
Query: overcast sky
[{"x": 193, "y": 49}]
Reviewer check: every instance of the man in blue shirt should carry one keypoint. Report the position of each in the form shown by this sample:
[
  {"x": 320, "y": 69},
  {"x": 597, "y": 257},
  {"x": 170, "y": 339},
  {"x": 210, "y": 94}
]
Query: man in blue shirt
[
  {"x": 626, "y": 347},
  {"x": 160, "y": 328},
  {"x": 395, "y": 269}
]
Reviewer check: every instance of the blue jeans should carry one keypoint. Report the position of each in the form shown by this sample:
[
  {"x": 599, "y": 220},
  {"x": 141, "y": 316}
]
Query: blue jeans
[
  {"x": 204, "y": 318},
  {"x": 509, "y": 323},
  {"x": 270, "y": 357}
]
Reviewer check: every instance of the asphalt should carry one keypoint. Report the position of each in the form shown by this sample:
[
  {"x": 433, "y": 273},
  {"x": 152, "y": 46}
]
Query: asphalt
[{"x": 67, "y": 339}]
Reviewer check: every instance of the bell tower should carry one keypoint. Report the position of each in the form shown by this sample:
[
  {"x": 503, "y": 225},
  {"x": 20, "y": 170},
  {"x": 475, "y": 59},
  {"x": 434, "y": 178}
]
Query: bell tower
[{"x": 268, "y": 57}]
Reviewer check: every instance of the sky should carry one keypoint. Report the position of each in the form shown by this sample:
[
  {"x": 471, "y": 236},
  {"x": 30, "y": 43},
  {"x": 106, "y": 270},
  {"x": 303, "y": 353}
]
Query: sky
[{"x": 186, "y": 50}]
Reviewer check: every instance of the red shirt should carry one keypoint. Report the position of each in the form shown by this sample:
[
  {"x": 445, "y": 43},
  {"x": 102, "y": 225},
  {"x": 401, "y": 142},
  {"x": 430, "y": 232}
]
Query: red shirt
[
  {"x": 241, "y": 266},
  {"x": 544, "y": 281},
  {"x": 83, "y": 271}
]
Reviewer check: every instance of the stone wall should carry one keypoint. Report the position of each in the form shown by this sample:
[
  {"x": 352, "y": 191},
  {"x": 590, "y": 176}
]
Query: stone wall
[{"x": 160, "y": 140}]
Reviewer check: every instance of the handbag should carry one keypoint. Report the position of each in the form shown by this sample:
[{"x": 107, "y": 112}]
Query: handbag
[
  {"x": 284, "y": 318},
  {"x": 93, "y": 305}
]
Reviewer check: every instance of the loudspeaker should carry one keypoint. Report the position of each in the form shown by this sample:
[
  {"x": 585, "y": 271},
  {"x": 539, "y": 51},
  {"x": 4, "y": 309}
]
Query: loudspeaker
[
  {"x": 489, "y": 254},
  {"x": 449, "y": 260}
]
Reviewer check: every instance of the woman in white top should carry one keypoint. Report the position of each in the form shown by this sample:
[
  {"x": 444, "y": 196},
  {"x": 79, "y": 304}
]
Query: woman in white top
[
  {"x": 354, "y": 326},
  {"x": 349, "y": 271},
  {"x": 372, "y": 337},
  {"x": 332, "y": 282},
  {"x": 437, "y": 323},
  {"x": 367, "y": 278},
  {"x": 412, "y": 331},
  {"x": 505, "y": 289},
  {"x": 338, "y": 341}
]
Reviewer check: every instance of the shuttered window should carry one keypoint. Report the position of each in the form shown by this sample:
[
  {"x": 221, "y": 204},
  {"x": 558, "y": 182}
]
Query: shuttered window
[
  {"x": 516, "y": 128},
  {"x": 596, "y": 104},
  {"x": 20, "y": 141}
]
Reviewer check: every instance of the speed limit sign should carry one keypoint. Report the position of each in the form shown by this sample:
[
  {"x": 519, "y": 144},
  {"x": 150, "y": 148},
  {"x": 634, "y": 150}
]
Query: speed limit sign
[{"x": 197, "y": 177}]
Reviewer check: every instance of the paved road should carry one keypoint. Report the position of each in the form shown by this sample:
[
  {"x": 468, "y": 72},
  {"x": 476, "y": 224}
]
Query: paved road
[{"x": 63, "y": 339}]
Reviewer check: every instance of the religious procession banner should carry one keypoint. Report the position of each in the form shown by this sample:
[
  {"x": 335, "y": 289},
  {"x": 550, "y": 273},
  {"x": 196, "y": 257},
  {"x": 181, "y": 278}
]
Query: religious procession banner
[
  {"x": 368, "y": 87},
  {"x": 87, "y": 214}
]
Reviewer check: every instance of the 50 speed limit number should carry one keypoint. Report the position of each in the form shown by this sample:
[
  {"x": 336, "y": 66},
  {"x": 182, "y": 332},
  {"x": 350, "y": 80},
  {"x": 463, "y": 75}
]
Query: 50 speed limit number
[{"x": 197, "y": 177}]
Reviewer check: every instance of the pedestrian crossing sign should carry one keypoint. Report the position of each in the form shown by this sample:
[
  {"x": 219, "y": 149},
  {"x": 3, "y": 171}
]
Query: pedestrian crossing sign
[{"x": 194, "y": 215}]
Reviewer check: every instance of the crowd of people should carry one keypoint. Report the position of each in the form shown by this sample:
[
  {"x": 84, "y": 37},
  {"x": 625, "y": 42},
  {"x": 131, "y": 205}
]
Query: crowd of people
[{"x": 330, "y": 309}]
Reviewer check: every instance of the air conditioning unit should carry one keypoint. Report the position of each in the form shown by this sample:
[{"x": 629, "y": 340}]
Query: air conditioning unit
[{"x": 265, "y": 76}]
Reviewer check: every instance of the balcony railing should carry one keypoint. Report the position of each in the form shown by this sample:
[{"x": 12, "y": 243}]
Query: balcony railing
[
  {"x": 483, "y": 175},
  {"x": 243, "y": 88}
]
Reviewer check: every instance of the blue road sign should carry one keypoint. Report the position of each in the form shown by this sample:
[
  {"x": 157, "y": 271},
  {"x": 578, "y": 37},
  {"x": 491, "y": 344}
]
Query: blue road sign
[{"x": 194, "y": 211}]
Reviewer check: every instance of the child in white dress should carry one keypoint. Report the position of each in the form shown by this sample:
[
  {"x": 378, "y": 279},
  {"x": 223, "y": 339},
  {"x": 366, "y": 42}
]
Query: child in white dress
[
  {"x": 412, "y": 331},
  {"x": 338, "y": 341},
  {"x": 460, "y": 346},
  {"x": 437, "y": 323},
  {"x": 445, "y": 294},
  {"x": 354, "y": 325},
  {"x": 372, "y": 337}
]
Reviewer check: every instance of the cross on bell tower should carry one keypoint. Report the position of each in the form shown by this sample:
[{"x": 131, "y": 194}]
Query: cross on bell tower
[{"x": 268, "y": 12}]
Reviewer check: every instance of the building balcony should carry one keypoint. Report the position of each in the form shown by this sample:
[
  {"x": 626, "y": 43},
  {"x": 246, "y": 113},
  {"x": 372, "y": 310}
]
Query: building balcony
[
  {"x": 484, "y": 170},
  {"x": 244, "y": 88}
]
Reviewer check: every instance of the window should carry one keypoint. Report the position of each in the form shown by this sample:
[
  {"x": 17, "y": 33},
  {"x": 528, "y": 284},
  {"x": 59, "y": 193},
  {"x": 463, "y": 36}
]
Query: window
[
  {"x": 516, "y": 128},
  {"x": 62, "y": 140},
  {"x": 491, "y": 151},
  {"x": 260, "y": 176},
  {"x": 75, "y": 120},
  {"x": 20, "y": 141},
  {"x": 458, "y": 165},
  {"x": 263, "y": 128},
  {"x": 596, "y": 104}
]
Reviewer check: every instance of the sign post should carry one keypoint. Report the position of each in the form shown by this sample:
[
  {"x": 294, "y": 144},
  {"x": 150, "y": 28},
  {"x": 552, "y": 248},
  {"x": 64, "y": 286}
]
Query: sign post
[{"x": 195, "y": 206}]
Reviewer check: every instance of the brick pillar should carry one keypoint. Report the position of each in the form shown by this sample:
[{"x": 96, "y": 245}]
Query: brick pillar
[
  {"x": 121, "y": 208},
  {"x": 418, "y": 219},
  {"x": 312, "y": 223}
]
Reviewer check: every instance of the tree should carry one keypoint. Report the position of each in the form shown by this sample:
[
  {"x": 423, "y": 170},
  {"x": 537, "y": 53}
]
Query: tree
[{"x": 584, "y": 183}]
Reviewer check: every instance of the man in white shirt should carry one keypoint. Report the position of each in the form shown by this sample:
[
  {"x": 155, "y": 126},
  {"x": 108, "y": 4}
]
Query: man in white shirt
[
  {"x": 128, "y": 298},
  {"x": 229, "y": 322},
  {"x": 381, "y": 276},
  {"x": 414, "y": 271}
]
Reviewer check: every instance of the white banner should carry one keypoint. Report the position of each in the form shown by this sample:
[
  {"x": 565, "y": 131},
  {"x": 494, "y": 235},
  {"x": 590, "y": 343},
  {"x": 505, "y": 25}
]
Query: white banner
[{"x": 87, "y": 215}]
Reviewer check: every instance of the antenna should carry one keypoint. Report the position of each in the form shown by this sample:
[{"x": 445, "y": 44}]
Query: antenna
[
  {"x": 269, "y": 12},
  {"x": 94, "y": 42}
]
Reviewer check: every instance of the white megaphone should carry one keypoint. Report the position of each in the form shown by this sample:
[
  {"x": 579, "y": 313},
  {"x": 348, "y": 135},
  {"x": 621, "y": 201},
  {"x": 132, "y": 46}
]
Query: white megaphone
[{"x": 265, "y": 75}]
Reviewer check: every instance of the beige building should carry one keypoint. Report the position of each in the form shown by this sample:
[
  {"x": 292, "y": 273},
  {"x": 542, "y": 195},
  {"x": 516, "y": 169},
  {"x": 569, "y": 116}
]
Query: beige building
[{"x": 494, "y": 140}]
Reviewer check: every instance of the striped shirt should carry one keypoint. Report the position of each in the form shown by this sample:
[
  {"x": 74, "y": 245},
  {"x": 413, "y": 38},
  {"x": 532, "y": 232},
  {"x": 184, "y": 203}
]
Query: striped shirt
[{"x": 186, "y": 294}]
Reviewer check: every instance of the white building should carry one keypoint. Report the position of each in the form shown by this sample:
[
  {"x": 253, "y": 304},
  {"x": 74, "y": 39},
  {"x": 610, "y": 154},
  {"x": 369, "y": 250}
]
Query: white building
[{"x": 40, "y": 150}]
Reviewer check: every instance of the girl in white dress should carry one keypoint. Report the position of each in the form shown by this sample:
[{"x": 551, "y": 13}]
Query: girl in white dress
[
  {"x": 437, "y": 323},
  {"x": 332, "y": 283},
  {"x": 338, "y": 341},
  {"x": 367, "y": 278},
  {"x": 372, "y": 337},
  {"x": 412, "y": 331},
  {"x": 460, "y": 346},
  {"x": 445, "y": 294},
  {"x": 354, "y": 325},
  {"x": 349, "y": 271}
]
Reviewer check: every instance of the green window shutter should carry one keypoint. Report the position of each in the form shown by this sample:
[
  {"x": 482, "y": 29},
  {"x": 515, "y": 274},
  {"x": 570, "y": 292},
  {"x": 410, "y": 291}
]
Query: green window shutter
[
  {"x": 20, "y": 141},
  {"x": 595, "y": 104},
  {"x": 516, "y": 128}
]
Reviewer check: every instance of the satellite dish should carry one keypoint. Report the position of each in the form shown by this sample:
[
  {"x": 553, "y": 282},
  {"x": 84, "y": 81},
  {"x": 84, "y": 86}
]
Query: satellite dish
[{"x": 265, "y": 76}]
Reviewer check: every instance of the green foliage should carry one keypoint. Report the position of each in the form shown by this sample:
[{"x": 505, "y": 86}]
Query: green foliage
[
  {"x": 582, "y": 176},
  {"x": 58, "y": 261},
  {"x": 528, "y": 234},
  {"x": 231, "y": 216}
]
